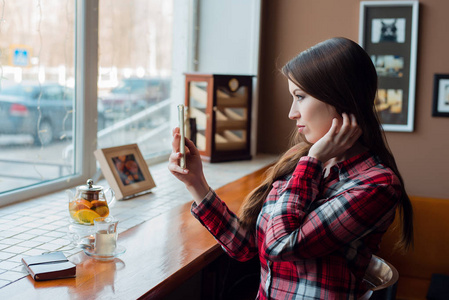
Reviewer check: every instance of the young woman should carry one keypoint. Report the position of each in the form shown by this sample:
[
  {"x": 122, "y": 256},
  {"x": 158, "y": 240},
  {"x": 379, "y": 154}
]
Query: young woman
[{"x": 320, "y": 214}]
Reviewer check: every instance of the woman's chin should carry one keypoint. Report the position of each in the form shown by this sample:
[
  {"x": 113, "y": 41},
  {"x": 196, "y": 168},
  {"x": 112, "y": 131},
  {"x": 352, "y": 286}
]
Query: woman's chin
[{"x": 310, "y": 139}]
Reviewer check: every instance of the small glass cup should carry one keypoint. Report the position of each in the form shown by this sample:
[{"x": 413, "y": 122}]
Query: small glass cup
[{"x": 105, "y": 236}]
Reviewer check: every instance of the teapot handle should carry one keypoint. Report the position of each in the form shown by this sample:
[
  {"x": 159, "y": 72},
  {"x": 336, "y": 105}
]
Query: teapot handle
[{"x": 111, "y": 199}]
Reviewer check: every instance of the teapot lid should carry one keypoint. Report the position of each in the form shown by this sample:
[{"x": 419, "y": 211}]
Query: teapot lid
[{"x": 90, "y": 187}]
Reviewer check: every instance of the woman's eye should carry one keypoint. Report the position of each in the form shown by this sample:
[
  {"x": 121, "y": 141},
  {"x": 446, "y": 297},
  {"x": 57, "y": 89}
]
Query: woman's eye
[{"x": 299, "y": 97}]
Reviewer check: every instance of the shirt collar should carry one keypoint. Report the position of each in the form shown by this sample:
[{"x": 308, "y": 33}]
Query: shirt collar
[{"x": 357, "y": 164}]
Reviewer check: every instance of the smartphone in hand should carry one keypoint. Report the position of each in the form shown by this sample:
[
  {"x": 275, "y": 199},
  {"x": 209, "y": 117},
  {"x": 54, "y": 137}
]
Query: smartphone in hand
[{"x": 182, "y": 148}]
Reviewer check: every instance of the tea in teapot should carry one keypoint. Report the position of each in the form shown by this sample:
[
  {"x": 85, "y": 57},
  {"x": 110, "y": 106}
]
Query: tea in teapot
[{"x": 89, "y": 203}]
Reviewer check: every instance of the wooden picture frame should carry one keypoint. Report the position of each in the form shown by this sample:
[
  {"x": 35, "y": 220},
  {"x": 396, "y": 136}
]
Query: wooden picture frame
[
  {"x": 389, "y": 34},
  {"x": 440, "y": 95},
  {"x": 125, "y": 170}
]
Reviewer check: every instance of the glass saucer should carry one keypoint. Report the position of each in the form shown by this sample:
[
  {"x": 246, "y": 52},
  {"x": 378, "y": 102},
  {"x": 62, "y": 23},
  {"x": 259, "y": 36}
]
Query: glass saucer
[{"x": 119, "y": 250}]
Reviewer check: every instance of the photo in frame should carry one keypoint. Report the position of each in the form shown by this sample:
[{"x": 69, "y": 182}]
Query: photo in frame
[
  {"x": 125, "y": 170},
  {"x": 441, "y": 95},
  {"x": 389, "y": 34}
]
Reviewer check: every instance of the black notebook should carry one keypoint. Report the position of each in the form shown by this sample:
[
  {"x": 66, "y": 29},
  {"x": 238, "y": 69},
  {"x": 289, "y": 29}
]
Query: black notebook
[{"x": 49, "y": 266}]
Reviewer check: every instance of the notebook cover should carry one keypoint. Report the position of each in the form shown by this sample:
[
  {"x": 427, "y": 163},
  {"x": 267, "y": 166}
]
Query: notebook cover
[
  {"x": 49, "y": 266},
  {"x": 45, "y": 258}
]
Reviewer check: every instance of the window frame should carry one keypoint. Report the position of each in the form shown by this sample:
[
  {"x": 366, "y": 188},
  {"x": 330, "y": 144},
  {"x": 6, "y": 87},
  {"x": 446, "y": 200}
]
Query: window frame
[{"x": 85, "y": 139}]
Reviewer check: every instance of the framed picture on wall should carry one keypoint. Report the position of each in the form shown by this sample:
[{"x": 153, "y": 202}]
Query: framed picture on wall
[
  {"x": 441, "y": 95},
  {"x": 125, "y": 170},
  {"x": 389, "y": 34}
]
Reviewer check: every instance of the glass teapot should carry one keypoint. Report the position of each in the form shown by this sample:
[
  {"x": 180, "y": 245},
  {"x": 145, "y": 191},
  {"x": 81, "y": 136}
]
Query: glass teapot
[{"x": 89, "y": 202}]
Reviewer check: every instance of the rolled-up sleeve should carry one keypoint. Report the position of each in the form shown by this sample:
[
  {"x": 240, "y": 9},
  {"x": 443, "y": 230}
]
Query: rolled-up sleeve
[{"x": 224, "y": 225}]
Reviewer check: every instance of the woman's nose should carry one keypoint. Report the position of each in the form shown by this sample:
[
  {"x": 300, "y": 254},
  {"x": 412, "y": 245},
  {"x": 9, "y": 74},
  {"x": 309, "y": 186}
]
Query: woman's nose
[{"x": 294, "y": 113}]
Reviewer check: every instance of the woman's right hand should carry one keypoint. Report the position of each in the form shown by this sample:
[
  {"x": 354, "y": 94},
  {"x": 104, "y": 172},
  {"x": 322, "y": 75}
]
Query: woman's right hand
[
  {"x": 192, "y": 176},
  {"x": 337, "y": 140}
]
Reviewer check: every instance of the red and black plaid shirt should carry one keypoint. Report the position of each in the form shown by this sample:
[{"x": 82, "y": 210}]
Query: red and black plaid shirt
[{"x": 315, "y": 236}]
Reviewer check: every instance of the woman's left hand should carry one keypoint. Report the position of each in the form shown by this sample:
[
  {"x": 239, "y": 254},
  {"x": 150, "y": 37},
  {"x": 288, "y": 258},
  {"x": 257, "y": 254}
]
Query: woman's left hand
[{"x": 337, "y": 140}]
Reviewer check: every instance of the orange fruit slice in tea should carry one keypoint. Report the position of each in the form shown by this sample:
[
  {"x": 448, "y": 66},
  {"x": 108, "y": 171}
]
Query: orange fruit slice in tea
[
  {"x": 74, "y": 208},
  {"x": 103, "y": 210},
  {"x": 84, "y": 202},
  {"x": 86, "y": 216},
  {"x": 96, "y": 203},
  {"x": 100, "y": 207}
]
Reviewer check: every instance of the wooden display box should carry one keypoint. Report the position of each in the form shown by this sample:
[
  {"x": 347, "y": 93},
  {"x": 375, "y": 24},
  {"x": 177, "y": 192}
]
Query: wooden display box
[{"x": 221, "y": 107}]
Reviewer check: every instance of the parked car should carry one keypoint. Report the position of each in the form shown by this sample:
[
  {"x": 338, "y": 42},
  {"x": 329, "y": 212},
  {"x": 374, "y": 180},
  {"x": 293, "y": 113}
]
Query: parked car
[
  {"x": 41, "y": 110},
  {"x": 134, "y": 94}
]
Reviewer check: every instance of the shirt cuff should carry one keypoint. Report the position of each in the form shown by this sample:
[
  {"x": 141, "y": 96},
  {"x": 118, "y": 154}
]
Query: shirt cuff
[
  {"x": 198, "y": 209},
  {"x": 309, "y": 167}
]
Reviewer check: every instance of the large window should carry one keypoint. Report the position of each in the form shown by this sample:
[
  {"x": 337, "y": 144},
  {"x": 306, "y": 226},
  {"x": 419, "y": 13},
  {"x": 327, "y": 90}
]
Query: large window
[
  {"x": 76, "y": 75},
  {"x": 135, "y": 54},
  {"x": 37, "y": 112}
]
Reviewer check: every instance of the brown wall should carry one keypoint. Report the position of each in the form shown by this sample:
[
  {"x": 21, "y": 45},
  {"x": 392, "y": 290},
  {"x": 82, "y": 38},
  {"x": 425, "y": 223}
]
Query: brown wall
[{"x": 290, "y": 26}]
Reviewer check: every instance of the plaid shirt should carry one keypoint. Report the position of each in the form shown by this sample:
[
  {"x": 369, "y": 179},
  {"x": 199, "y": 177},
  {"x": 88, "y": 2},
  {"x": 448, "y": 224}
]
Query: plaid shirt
[{"x": 315, "y": 236}]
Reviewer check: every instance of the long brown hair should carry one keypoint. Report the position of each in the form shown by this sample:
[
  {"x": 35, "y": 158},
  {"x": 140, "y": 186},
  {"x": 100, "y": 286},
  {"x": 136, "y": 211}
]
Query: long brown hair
[{"x": 338, "y": 72}]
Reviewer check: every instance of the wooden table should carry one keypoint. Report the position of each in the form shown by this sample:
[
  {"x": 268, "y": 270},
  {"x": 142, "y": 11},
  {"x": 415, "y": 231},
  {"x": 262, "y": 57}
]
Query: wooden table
[{"x": 161, "y": 254}]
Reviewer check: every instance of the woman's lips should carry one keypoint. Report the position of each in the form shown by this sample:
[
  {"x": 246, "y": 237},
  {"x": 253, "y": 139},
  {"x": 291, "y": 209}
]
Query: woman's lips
[{"x": 300, "y": 128}]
